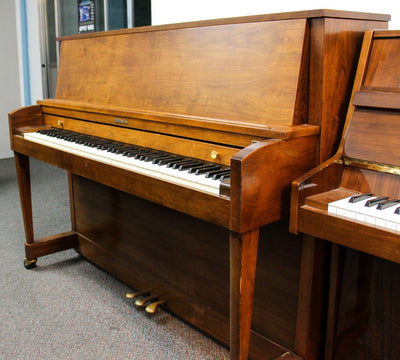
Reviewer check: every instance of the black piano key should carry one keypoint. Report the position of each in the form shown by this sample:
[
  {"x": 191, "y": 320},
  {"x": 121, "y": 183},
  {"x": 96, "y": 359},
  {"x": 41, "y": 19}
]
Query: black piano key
[
  {"x": 105, "y": 145},
  {"x": 114, "y": 147},
  {"x": 206, "y": 169},
  {"x": 168, "y": 159},
  {"x": 376, "y": 201},
  {"x": 225, "y": 177},
  {"x": 173, "y": 163},
  {"x": 397, "y": 211},
  {"x": 102, "y": 145},
  {"x": 146, "y": 155},
  {"x": 136, "y": 153},
  {"x": 160, "y": 157},
  {"x": 129, "y": 151},
  {"x": 194, "y": 168},
  {"x": 189, "y": 165},
  {"x": 361, "y": 197},
  {"x": 218, "y": 175},
  {"x": 186, "y": 162},
  {"x": 154, "y": 156},
  {"x": 387, "y": 204},
  {"x": 211, "y": 173}
]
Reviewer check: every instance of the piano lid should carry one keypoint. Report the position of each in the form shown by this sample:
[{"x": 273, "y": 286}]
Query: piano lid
[
  {"x": 239, "y": 72},
  {"x": 247, "y": 75}
]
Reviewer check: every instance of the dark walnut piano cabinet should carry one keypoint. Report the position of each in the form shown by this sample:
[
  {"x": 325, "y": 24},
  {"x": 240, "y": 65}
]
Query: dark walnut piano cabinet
[
  {"x": 264, "y": 96},
  {"x": 363, "y": 318}
]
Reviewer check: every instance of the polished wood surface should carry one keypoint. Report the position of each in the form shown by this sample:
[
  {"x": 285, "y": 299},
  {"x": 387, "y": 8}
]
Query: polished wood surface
[
  {"x": 205, "y": 85},
  {"x": 365, "y": 260},
  {"x": 265, "y": 95},
  {"x": 364, "y": 307}
]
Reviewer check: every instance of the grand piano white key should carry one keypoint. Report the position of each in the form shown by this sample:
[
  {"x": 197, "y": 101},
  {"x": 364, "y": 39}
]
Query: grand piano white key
[
  {"x": 162, "y": 172},
  {"x": 377, "y": 216}
]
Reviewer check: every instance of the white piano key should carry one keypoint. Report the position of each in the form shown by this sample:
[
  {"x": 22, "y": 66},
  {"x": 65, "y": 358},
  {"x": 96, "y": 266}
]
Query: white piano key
[
  {"x": 371, "y": 216},
  {"x": 162, "y": 172}
]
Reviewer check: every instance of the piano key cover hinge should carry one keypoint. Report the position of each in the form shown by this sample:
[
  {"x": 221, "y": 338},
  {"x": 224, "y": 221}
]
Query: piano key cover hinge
[{"x": 369, "y": 165}]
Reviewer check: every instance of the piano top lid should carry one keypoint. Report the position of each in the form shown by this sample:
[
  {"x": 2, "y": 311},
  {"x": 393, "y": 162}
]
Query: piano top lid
[
  {"x": 238, "y": 73},
  {"x": 247, "y": 72},
  {"x": 304, "y": 14}
]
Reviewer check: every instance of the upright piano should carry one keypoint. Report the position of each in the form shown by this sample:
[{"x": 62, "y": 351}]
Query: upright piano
[
  {"x": 181, "y": 142},
  {"x": 352, "y": 201}
]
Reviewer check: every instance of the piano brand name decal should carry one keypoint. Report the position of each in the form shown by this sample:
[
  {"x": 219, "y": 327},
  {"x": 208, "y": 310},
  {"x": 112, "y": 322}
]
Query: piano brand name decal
[{"x": 121, "y": 121}]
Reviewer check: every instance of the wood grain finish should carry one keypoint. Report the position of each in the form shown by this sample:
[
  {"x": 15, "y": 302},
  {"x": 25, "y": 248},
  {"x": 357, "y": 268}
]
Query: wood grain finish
[
  {"x": 177, "y": 71},
  {"x": 363, "y": 322},
  {"x": 268, "y": 94},
  {"x": 361, "y": 317}
]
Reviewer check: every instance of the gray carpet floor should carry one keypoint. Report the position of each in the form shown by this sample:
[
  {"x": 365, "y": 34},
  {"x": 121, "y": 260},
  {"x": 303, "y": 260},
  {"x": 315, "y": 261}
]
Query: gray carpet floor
[{"x": 67, "y": 308}]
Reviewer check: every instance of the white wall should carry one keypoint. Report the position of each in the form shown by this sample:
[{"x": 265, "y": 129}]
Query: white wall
[
  {"x": 34, "y": 52},
  {"x": 172, "y": 11},
  {"x": 10, "y": 96}
]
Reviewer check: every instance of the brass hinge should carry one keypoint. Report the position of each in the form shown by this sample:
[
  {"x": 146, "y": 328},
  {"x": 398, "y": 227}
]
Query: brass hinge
[{"x": 369, "y": 165}]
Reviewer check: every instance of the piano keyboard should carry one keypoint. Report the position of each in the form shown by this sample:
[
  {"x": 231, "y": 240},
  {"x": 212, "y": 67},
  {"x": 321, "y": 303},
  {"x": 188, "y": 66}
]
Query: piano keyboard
[
  {"x": 380, "y": 212},
  {"x": 176, "y": 169}
]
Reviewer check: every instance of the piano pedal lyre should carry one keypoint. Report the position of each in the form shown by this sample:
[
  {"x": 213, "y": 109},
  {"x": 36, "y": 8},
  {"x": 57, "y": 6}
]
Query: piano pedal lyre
[{"x": 152, "y": 308}]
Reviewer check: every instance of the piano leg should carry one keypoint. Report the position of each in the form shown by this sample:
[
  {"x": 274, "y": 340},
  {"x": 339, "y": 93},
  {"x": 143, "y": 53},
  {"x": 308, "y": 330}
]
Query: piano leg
[
  {"x": 24, "y": 182},
  {"x": 47, "y": 245},
  {"x": 312, "y": 296},
  {"x": 243, "y": 259}
]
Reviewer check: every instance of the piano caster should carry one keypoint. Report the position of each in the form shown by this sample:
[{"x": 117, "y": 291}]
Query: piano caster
[
  {"x": 152, "y": 308},
  {"x": 29, "y": 264},
  {"x": 143, "y": 301}
]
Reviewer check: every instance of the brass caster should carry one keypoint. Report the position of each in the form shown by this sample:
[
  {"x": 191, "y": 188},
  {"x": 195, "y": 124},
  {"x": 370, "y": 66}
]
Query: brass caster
[
  {"x": 136, "y": 294},
  {"x": 29, "y": 264},
  {"x": 143, "y": 301},
  {"x": 152, "y": 308}
]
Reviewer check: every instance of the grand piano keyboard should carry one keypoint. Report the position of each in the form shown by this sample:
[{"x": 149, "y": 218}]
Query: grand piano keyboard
[
  {"x": 381, "y": 212},
  {"x": 184, "y": 171}
]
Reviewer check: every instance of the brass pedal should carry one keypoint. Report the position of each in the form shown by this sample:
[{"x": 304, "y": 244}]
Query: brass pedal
[
  {"x": 143, "y": 301},
  {"x": 137, "y": 294},
  {"x": 152, "y": 308}
]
